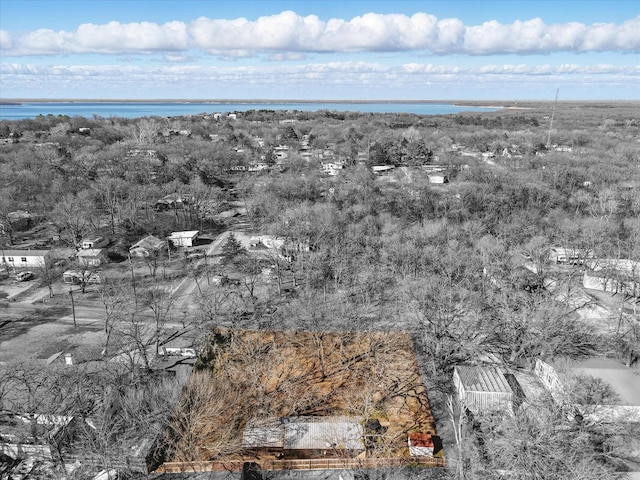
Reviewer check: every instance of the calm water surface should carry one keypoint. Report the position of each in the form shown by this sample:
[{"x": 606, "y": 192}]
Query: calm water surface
[{"x": 170, "y": 109}]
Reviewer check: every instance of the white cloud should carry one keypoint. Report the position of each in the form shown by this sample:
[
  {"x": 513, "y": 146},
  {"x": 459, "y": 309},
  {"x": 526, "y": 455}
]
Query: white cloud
[
  {"x": 316, "y": 80},
  {"x": 348, "y": 71},
  {"x": 112, "y": 37},
  {"x": 6, "y": 42},
  {"x": 287, "y": 33}
]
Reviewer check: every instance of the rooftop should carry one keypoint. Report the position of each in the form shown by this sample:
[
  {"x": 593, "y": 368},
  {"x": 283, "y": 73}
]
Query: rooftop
[
  {"x": 483, "y": 379},
  {"x": 305, "y": 433},
  {"x": 24, "y": 253},
  {"x": 624, "y": 380},
  {"x": 187, "y": 234}
]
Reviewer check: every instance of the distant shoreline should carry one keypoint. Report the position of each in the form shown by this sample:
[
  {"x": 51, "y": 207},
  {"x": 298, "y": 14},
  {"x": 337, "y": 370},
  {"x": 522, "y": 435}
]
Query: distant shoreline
[
  {"x": 494, "y": 104},
  {"x": 472, "y": 103}
]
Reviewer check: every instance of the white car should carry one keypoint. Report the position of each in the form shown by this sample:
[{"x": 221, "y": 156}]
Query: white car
[{"x": 24, "y": 276}]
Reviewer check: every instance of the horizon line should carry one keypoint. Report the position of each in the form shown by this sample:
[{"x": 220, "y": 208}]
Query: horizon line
[{"x": 270, "y": 101}]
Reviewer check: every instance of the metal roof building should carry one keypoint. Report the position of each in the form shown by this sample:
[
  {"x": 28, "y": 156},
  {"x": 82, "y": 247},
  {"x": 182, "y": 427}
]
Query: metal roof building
[
  {"x": 305, "y": 433},
  {"x": 483, "y": 389}
]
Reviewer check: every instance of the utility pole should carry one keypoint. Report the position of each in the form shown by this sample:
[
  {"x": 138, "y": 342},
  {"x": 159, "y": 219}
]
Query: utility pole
[
  {"x": 553, "y": 112},
  {"x": 73, "y": 307}
]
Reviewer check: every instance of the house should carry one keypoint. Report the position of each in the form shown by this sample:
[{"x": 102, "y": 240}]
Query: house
[
  {"x": 92, "y": 257},
  {"x": 31, "y": 435},
  {"x": 438, "y": 178},
  {"x": 562, "y": 148},
  {"x": 303, "y": 437},
  {"x": 172, "y": 201},
  {"x": 382, "y": 168},
  {"x": 614, "y": 282},
  {"x": 258, "y": 167},
  {"x": 569, "y": 255},
  {"x": 613, "y": 275},
  {"x": 332, "y": 168},
  {"x": 94, "y": 242},
  {"x": 19, "y": 220},
  {"x": 184, "y": 239},
  {"x": 75, "y": 277},
  {"x": 483, "y": 389},
  {"x": 622, "y": 379},
  {"x": 26, "y": 258},
  {"x": 146, "y": 246}
]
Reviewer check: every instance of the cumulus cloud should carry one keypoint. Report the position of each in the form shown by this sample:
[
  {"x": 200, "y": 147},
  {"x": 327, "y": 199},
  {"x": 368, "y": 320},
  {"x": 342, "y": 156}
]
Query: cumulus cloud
[
  {"x": 345, "y": 70},
  {"x": 287, "y": 34},
  {"x": 6, "y": 42}
]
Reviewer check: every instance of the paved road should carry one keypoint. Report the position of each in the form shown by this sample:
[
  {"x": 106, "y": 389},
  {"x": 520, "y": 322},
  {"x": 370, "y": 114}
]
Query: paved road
[{"x": 185, "y": 293}]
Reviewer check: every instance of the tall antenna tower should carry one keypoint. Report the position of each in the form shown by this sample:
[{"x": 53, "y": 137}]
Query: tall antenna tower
[{"x": 553, "y": 112}]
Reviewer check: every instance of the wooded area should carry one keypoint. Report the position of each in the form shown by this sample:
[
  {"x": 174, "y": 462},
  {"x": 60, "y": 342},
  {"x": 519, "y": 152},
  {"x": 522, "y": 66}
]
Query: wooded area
[{"x": 465, "y": 267}]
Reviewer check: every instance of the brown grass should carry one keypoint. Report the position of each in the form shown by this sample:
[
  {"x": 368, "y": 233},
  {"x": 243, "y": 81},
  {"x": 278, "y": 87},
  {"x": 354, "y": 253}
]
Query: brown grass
[{"x": 260, "y": 375}]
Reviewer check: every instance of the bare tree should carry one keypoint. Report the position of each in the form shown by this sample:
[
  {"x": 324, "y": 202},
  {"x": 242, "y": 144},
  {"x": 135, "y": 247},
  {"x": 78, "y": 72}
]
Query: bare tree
[
  {"x": 159, "y": 301},
  {"x": 73, "y": 215}
]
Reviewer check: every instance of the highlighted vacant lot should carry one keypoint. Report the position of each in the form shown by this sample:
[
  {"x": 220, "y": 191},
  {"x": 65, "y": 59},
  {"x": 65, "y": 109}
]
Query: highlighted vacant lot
[{"x": 268, "y": 397}]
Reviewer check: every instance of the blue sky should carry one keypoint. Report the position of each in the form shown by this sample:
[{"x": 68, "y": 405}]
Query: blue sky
[{"x": 323, "y": 49}]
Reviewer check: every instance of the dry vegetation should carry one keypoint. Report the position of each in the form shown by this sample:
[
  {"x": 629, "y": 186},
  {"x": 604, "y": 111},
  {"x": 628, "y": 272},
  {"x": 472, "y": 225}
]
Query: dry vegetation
[{"x": 259, "y": 375}]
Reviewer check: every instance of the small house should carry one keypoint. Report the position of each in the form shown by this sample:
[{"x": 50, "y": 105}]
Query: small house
[
  {"x": 92, "y": 257},
  {"x": 184, "y": 239},
  {"x": 146, "y": 246},
  {"x": 76, "y": 277},
  {"x": 94, "y": 242},
  {"x": 18, "y": 220},
  {"x": 438, "y": 178},
  {"x": 483, "y": 389},
  {"x": 382, "y": 168},
  {"x": 26, "y": 258},
  {"x": 569, "y": 255},
  {"x": 172, "y": 201}
]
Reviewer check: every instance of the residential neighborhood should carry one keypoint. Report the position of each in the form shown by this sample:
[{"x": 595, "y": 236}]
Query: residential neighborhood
[{"x": 294, "y": 291}]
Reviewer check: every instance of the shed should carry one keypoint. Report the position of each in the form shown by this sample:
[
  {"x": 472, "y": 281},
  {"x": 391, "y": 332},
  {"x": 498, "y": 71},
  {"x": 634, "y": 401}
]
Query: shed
[
  {"x": 483, "y": 389},
  {"x": 184, "y": 239},
  {"x": 420, "y": 444}
]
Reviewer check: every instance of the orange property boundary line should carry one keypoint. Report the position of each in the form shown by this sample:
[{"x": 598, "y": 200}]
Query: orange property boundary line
[{"x": 312, "y": 464}]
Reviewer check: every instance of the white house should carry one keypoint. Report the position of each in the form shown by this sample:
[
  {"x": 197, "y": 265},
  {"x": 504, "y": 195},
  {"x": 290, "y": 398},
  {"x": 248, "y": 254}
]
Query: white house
[
  {"x": 94, "y": 242},
  {"x": 438, "y": 178},
  {"x": 26, "y": 258},
  {"x": 184, "y": 239}
]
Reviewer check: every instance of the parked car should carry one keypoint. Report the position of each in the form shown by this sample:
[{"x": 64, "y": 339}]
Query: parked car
[
  {"x": 24, "y": 276},
  {"x": 195, "y": 255}
]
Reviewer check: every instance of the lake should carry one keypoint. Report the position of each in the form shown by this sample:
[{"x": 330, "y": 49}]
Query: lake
[{"x": 170, "y": 109}]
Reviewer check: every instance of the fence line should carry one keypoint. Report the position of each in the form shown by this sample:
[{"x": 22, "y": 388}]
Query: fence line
[{"x": 309, "y": 464}]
